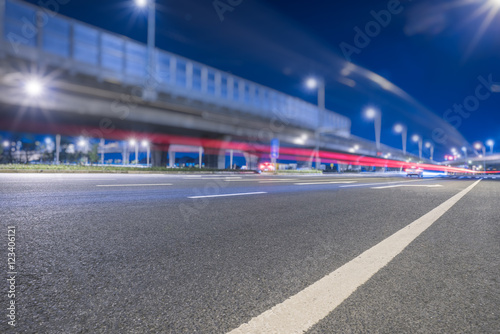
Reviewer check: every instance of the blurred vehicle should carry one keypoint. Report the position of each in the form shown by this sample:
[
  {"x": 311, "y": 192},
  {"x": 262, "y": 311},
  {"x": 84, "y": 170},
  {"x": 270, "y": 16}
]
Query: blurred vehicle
[
  {"x": 414, "y": 171},
  {"x": 266, "y": 167}
]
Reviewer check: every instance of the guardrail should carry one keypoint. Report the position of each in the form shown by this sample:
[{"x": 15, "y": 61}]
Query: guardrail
[{"x": 37, "y": 34}]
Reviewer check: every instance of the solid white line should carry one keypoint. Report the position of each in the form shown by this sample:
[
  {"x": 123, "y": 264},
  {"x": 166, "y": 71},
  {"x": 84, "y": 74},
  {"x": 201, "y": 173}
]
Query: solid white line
[
  {"x": 375, "y": 183},
  {"x": 226, "y": 178},
  {"x": 62, "y": 180},
  {"x": 313, "y": 183},
  {"x": 300, "y": 312},
  {"x": 410, "y": 185},
  {"x": 133, "y": 185},
  {"x": 259, "y": 180},
  {"x": 302, "y": 180},
  {"x": 227, "y": 195}
]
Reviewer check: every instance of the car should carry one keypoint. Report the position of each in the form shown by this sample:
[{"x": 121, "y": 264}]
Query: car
[
  {"x": 414, "y": 171},
  {"x": 266, "y": 167}
]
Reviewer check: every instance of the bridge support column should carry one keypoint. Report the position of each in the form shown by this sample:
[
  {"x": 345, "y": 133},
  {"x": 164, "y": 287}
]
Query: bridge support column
[
  {"x": 251, "y": 160},
  {"x": 125, "y": 155},
  {"x": 159, "y": 155},
  {"x": 58, "y": 148},
  {"x": 214, "y": 158},
  {"x": 171, "y": 158}
]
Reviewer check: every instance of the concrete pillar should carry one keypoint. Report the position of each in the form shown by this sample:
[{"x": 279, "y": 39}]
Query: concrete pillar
[
  {"x": 58, "y": 148},
  {"x": 251, "y": 160},
  {"x": 200, "y": 157},
  {"x": 214, "y": 158},
  {"x": 159, "y": 155},
  {"x": 231, "y": 154},
  {"x": 102, "y": 145},
  {"x": 125, "y": 155},
  {"x": 171, "y": 158}
]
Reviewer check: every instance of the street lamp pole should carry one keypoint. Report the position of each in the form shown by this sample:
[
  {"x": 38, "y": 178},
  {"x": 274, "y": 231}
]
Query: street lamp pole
[
  {"x": 149, "y": 92},
  {"x": 464, "y": 149},
  {"x": 490, "y": 143},
  {"x": 378, "y": 128},
  {"x": 404, "y": 135},
  {"x": 376, "y": 115},
  {"x": 318, "y": 84},
  {"x": 431, "y": 148},
  {"x": 321, "y": 106},
  {"x": 417, "y": 138}
]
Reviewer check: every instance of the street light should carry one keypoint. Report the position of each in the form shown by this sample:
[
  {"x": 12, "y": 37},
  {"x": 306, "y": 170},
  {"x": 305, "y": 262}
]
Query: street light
[
  {"x": 490, "y": 143},
  {"x": 464, "y": 149},
  {"x": 417, "y": 138},
  {"x": 82, "y": 142},
  {"x": 149, "y": 91},
  {"x": 372, "y": 113},
  {"x": 33, "y": 88},
  {"x": 431, "y": 147},
  {"x": 478, "y": 146},
  {"x": 399, "y": 128},
  {"x": 145, "y": 143},
  {"x": 133, "y": 142},
  {"x": 319, "y": 84},
  {"x": 6, "y": 144}
]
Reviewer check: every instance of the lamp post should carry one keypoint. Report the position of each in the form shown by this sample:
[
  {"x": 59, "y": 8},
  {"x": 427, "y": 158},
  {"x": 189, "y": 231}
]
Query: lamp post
[
  {"x": 313, "y": 83},
  {"x": 403, "y": 130},
  {"x": 149, "y": 92},
  {"x": 431, "y": 147},
  {"x": 376, "y": 115},
  {"x": 480, "y": 146},
  {"x": 417, "y": 138},
  {"x": 490, "y": 143}
]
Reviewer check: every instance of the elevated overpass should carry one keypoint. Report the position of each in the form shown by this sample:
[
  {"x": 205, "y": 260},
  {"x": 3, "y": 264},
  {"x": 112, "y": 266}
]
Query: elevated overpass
[{"x": 97, "y": 84}]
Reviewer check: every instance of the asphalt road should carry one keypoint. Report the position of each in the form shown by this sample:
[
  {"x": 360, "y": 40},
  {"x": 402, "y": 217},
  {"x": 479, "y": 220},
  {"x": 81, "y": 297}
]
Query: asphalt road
[{"x": 112, "y": 253}]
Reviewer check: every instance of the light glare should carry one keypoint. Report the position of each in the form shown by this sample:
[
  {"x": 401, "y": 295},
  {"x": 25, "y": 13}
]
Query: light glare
[
  {"x": 370, "y": 113},
  {"x": 141, "y": 3},
  {"x": 33, "y": 88},
  {"x": 312, "y": 83}
]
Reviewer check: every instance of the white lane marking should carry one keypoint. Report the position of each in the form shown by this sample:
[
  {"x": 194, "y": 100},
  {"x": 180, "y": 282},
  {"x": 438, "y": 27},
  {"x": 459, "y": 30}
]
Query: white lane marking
[
  {"x": 302, "y": 180},
  {"x": 259, "y": 180},
  {"x": 51, "y": 180},
  {"x": 227, "y": 178},
  {"x": 330, "y": 182},
  {"x": 228, "y": 195},
  {"x": 300, "y": 312},
  {"x": 134, "y": 185},
  {"x": 376, "y": 183},
  {"x": 410, "y": 185}
]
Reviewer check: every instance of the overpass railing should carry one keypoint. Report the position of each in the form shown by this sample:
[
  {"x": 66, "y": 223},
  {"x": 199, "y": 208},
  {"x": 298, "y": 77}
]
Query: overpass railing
[{"x": 37, "y": 34}]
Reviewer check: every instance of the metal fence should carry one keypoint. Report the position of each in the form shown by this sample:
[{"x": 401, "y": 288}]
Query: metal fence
[{"x": 35, "y": 33}]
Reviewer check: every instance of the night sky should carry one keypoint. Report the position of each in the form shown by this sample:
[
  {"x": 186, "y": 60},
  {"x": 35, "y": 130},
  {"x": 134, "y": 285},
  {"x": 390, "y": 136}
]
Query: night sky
[{"x": 427, "y": 50}]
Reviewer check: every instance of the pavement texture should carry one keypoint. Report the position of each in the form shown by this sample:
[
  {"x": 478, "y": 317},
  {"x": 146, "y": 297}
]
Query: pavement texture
[{"x": 108, "y": 253}]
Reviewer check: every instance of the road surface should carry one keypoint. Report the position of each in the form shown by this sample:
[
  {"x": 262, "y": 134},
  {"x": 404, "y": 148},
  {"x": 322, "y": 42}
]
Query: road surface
[{"x": 114, "y": 253}]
